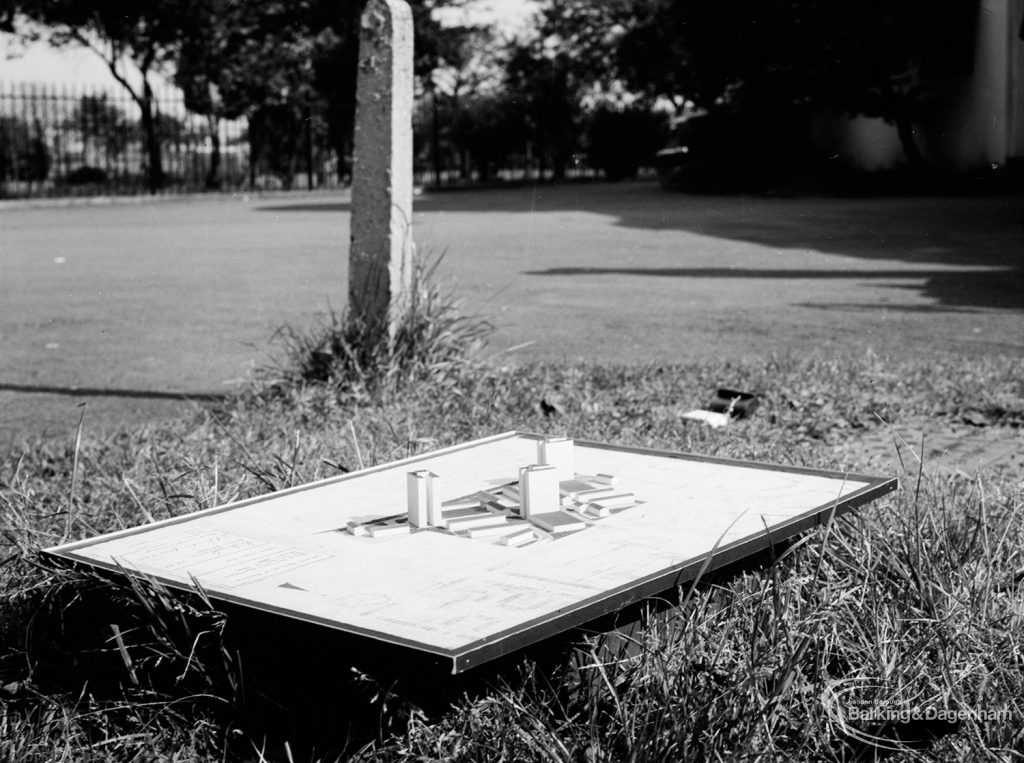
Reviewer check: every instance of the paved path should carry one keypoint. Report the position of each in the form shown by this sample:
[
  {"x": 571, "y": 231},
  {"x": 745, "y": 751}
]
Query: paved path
[
  {"x": 935, "y": 446},
  {"x": 129, "y": 305}
]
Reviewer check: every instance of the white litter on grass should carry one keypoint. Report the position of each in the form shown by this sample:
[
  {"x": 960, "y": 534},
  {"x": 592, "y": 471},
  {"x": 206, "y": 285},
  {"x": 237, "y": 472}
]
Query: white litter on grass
[{"x": 712, "y": 419}]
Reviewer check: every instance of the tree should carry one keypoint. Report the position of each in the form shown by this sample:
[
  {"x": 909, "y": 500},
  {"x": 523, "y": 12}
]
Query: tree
[
  {"x": 489, "y": 127},
  {"x": 143, "y": 33},
  {"x": 549, "y": 74},
  {"x": 753, "y": 56},
  {"x": 199, "y": 63},
  {"x": 257, "y": 60},
  {"x": 457, "y": 60},
  {"x": 547, "y": 87},
  {"x": 288, "y": 67}
]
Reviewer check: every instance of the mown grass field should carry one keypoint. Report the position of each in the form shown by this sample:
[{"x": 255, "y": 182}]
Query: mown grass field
[{"x": 915, "y": 601}]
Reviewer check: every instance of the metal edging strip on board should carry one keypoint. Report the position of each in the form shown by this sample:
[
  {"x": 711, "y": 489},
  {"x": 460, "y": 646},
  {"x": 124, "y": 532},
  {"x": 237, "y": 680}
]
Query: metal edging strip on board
[
  {"x": 805, "y": 470},
  {"x": 76, "y": 562}
]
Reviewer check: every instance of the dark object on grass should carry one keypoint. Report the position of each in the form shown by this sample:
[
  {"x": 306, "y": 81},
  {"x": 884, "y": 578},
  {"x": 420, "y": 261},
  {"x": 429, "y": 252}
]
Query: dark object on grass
[
  {"x": 739, "y": 405},
  {"x": 551, "y": 405},
  {"x": 975, "y": 418}
]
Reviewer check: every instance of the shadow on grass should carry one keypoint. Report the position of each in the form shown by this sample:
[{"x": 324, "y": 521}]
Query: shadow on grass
[
  {"x": 998, "y": 289},
  {"x": 147, "y": 394},
  {"x": 123, "y": 656},
  {"x": 129, "y": 654},
  {"x": 982, "y": 233}
]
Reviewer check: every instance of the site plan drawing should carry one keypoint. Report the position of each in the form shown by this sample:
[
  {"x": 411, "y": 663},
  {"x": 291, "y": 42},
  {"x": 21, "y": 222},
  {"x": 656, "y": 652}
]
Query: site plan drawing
[{"x": 477, "y": 550}]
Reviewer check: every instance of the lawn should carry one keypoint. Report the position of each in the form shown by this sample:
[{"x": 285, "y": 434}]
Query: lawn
[{"x": 913, "y": 603}]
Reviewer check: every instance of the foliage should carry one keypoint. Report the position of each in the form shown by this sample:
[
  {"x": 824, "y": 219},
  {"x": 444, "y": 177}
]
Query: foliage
[
  {"x": 466, "y": 109},
  {"x": 288, "y": 67},
  {"x": 146, "y": 33},
  {"x": 548, "y": 75},
  {"x": 24, "y": 154},
  {"x": 488, "y": 126},
  {"x": 200, "y": 61},
  {"x": 261, "y": 61},
  {"x": 102, "y": 125},
  {"x": 862, "y": 58}
]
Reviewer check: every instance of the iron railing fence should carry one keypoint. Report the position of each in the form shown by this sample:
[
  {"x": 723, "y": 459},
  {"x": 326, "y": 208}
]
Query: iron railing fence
[
  {"x": 77, "y": 141},
  {"x": 58, "y": 140}
]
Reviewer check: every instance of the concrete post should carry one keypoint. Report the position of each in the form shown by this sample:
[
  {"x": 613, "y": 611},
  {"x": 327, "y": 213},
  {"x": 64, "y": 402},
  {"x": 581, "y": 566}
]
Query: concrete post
[{"x": 380, "y": 257}]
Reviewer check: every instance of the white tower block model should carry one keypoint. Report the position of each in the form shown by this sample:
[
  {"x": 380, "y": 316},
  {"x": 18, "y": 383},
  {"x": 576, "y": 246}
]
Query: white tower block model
[
  {"x": 419, "y": 497},
  {"x": 424, "y": 498},
  {"x": 538, "y": 489},
  {"x": 557, "y": 452}
]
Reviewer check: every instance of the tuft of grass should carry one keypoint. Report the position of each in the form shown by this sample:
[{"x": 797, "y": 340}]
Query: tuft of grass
[{"x": 433, "y": 342}]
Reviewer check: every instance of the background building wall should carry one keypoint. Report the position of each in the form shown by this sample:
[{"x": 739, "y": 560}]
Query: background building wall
[
  {"x": 969, "y": 126},
  {"x": 866, "y": 143},
  {"x": 976, "y": 119},
  {"x": 1015, "y": 86}
]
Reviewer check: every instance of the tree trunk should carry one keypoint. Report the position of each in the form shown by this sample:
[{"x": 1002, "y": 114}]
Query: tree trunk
[
  {"x": 344, "y": 165},
  {"x": 309, "y": 147},
  {"x": 292, "y": 166},
  {"x": 435, "y": 138},
  {"x": 905, "y": 130},
  {"x": 155, "y": 174},
  {"x": 559, "y": 162},
  {"x": 252, "y": 154},
  {"x": 213, "y": 181}
]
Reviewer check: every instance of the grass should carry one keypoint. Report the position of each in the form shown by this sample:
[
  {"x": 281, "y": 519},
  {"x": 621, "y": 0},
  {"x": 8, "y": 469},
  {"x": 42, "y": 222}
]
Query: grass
[
  {"x": 916, "y": 600},
  {"x": 879, "y": 610},
  {"x": 432, "y": 342}
]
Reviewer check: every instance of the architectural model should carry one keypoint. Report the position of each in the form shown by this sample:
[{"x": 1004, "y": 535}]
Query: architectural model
[
  {"x": 549, "y": 500},
  {"x": 450, "y": 553}
]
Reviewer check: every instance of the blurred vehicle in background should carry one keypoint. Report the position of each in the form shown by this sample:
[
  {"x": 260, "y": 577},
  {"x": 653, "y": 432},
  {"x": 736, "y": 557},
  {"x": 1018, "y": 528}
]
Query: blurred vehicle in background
[
  {"x": 622, "y": 141},
  {"x": 722, "y": 151}
]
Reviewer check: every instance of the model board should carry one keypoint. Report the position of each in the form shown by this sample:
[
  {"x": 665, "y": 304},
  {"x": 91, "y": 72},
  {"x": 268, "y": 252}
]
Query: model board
[{"x": 492, "y": 559}]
